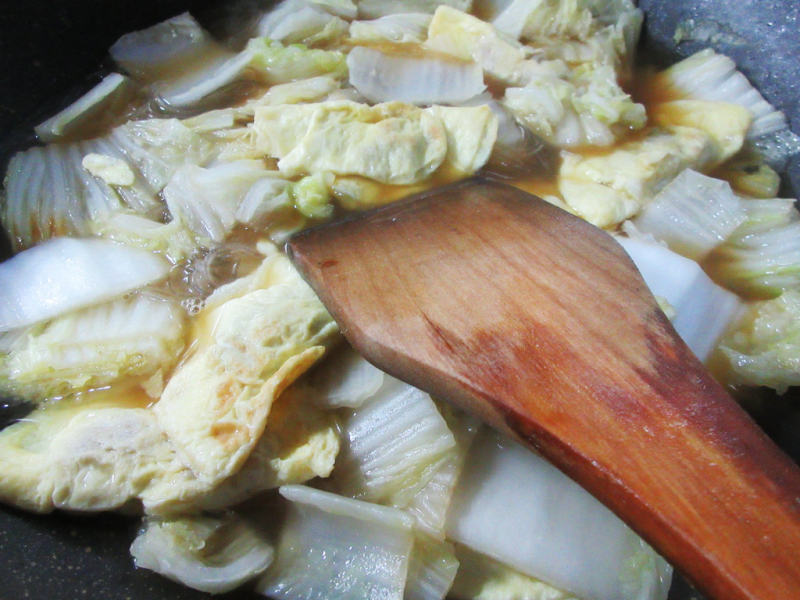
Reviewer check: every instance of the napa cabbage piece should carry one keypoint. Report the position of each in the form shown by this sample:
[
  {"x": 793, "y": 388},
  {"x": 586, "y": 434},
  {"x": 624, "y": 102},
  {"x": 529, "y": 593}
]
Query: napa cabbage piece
[
  {"x": 312, "y": 197},
  {"x": 585, "y": 106},
  {"x": 344, "y": 379},
  {"x": 103, "y": 102},
  {"x": 373, "y": 9},
  {"x": 402, "y": 28},
  {"x": 257, "y": 342},
  {"x": 278, "y": 63},
  {"x": 545, "y": 18},
  {"x": 431, "y": 570},
  {"x": 703, "y": 310},
  {"x": 172, "y": 240},
  {"x": 693, "y": 214},
  {"x": 207, "y": 200},
  {"x": 332, "y": 546},
  {"x": 309, "y": 23},
  {"x": 213, "y": 554},
  {"x": 66, "y": 274},
  {"x": 94, "y": 347},
  {"x": 281, "y": 16},
  {"x": 482, "y": 578},
  {"x": 430, "y": 504},
  {"x": 764, "y": 347},
  {"x": 423, "y": 80},
  {"x": 49, "y": 194},
  {"x": 762, "y": 257},
  {"x": 608, "y": 188},
  {"x": 391, "y": 143},
  {"x": 157, "y": 148},
  {"x": 394, "y": 444},
  {"x": 514, "y": 506},
  {"x": 300, "y": 442},
  {"x": 155, "y": 52}
]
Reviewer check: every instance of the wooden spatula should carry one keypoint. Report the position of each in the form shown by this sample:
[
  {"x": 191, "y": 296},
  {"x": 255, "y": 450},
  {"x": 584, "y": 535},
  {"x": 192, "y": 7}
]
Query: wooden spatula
[{"x": 540, "y": 323}]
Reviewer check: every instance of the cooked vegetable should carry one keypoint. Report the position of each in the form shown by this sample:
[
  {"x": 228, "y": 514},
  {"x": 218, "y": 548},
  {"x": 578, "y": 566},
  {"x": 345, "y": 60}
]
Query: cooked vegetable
[
  {"x": 66, "y": 274},
  {"x": 516, "y": 507},
  {"x": 432, "y": 569},
  {"x": 380, "y": 77},
  {"x": 703, "y": 310},
  {"x": 762, "y": 257},
  {"x": 764, "y": 349},
  {"x": 395, "y": 443},
  {"x": 345, "y": 379},
  {"x": 331, "y": 106},
  {"x": 693, "y": 214},
  {"x": 94, "y": 347},
  {"x": 399, "y": 28},
  {"x": 210, "y": 554},
  {"x": 332, "y": 546},
  {"x": 109, "y": 97}
]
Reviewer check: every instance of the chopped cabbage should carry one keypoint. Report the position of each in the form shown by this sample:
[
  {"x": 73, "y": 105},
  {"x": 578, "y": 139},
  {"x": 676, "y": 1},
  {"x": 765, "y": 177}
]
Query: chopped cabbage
[
  {"x": 94, "y": 347},
  {"x": 545, "y": 18},
  {"x": 206, "y": 201},
  {"x": 66, "y": 274},
  {"x": 172, "y": 240},
  {"x": 210, "y": 554},
  {"x": 401, "y": 28},
  {"x": 588, "y": 108},
  {"x": 514, "y": 506},
  {"x": 150, "y": 54},
  {"x": 107, "y": 99},
  {"x": 703, "y": 310},
  {"x": 157, "y": 148},
  {"x": 281, "y": 64},
  {"x": 331, "y": 546},
  {"x": 429, "y": 506},
  {"x": 423, "y": 80},
  {"x": 372, "y": 9},
  {"x": 764, "y": 348},
  {"x": 345, "y": 379},
  {"x": 312, "y": 196},
  {"x": 693, "y": 214},
  {"x": 762, "y": 257},
  {"x": 431, "y": 570},
  {"x": 394, "y": 445},
  {"x": 303, "y": 22}
]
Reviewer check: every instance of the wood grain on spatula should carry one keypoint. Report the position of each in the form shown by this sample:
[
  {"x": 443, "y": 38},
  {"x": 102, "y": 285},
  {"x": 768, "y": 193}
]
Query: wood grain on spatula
[{"x": 540, "y": 323}]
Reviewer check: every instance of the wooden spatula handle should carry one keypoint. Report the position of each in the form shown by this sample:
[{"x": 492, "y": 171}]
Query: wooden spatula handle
[{"x": 541, "y": 324}]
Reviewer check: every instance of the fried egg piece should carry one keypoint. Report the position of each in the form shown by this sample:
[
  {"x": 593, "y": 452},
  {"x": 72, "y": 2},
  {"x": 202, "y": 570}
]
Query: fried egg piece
[
  {"x": 300, "y": 442},
  {"x": 90, "y": 454}
]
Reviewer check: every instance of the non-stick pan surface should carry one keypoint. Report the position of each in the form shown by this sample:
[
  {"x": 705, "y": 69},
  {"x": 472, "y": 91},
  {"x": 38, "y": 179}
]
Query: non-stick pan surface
[{"x": 51, "y": 50}]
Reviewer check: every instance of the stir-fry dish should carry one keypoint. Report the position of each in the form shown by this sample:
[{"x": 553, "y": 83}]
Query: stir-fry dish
[{"x": 181, "y": 370}]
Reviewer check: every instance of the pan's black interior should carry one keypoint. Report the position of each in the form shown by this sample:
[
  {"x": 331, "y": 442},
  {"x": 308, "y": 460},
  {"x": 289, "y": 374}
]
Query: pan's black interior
[{"x": 52, "y": 51}]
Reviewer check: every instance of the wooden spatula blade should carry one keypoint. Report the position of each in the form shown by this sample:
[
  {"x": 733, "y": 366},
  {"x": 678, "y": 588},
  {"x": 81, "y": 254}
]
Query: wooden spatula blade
[{"x": 540, "y": 324}]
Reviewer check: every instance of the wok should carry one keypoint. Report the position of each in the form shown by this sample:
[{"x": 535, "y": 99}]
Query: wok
[{"x": 50, "y": 51}]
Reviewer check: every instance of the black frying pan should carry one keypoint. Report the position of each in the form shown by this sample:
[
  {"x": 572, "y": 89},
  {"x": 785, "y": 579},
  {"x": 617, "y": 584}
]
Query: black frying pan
[{"x": 52, "y": 51}]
